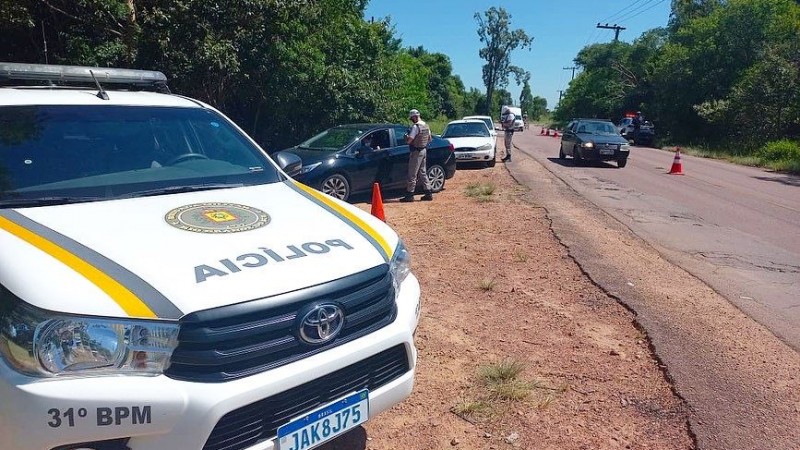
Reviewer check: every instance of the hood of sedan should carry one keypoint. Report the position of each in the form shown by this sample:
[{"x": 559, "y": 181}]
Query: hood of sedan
[
  {"x": 470, "y": 142},
  {"x": 603, "y": 138},
  {"x": 166, "y": 256},
  {"x": 309, "y": 156}
]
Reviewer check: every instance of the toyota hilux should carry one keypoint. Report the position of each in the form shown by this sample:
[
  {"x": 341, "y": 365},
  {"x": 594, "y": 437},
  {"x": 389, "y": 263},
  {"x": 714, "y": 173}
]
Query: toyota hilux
[{"x": 165, "y": 284}]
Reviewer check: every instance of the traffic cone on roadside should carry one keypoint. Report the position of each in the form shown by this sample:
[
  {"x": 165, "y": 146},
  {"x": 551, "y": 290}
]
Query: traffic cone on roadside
[
  {"x": 377, "y": 202},
  {"x": 541, "y": 133},
  {"x": 556, "y": 133},
  {"x": 677, "y": 164}
]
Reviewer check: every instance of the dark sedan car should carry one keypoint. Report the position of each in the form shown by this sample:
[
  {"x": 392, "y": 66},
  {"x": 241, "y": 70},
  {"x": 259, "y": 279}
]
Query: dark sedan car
[
  {"x": 348, "y": 159},
  {"x": 594, "y": 140}
]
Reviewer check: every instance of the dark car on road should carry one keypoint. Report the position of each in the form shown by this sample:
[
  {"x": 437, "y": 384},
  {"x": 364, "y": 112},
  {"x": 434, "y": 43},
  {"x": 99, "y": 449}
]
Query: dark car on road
[
  {"x": 347, "y": 159},
  {"x": 645, "y": 136},
  {"x": 594, "y": 140}
]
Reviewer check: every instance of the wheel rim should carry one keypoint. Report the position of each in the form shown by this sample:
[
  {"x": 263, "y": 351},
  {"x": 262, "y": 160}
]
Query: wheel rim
[
  {"x": 335, "y": 187},
  {"x": 436, "y": 177}
]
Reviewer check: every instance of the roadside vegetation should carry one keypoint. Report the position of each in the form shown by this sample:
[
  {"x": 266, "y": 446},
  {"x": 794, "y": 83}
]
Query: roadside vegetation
[{"x": 499, "y": 386}]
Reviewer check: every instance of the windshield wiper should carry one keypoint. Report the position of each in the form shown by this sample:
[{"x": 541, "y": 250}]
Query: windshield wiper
[
  {"x": 180, "y": 189},
  {"x": 43, "y": 201}
]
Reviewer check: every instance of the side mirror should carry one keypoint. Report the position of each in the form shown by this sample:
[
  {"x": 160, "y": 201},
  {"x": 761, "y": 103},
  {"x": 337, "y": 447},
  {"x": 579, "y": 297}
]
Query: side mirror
[{"x": 289, "y": 162}]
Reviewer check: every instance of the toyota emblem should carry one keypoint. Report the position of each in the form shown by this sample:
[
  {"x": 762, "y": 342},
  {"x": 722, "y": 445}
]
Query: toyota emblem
[{"x": 321, "y": 324}]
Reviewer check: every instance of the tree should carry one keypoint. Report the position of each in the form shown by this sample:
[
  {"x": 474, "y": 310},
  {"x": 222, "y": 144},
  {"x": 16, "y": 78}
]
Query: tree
[{"x": 493, "y": 30}]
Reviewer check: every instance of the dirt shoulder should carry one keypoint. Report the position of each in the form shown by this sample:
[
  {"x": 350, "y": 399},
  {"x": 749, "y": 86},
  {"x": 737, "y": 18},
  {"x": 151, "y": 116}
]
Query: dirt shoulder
[{"x": 499, "y": 287}]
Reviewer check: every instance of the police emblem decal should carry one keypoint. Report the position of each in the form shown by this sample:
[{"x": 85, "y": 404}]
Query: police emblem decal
[{"x": 216, "y": 218}]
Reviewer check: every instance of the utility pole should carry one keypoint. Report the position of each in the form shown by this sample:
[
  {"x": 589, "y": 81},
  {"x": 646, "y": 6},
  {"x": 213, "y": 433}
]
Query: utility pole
[
  {"x": 560, "y": 94},
  {"x": 573, "y": 71},
  {"x": 614, "y": 27}
]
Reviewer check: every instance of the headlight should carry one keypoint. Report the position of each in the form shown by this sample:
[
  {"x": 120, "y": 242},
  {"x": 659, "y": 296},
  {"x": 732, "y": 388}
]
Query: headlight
[
  {"x": 45, "y": 344},
  {"x": 587, "y": 145},
  {"x": 400, "y": 266},
  {"x": 310, "y": 167},
  {"x": 625, "y": 147},
  {"x": 484, "y": 147}
]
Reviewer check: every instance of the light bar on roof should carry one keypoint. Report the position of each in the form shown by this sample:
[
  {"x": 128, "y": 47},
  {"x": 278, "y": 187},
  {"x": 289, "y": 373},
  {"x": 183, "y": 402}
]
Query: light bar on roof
[{"x": 44, "y": 72}]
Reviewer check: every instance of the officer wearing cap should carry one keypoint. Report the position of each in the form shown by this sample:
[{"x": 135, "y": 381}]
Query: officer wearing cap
[{"x": 418, "y": 138}]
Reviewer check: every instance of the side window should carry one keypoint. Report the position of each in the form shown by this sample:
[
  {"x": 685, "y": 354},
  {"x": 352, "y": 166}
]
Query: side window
[
  {"x": 571, "y": 126},
  {"x": 399, "y": 135}
]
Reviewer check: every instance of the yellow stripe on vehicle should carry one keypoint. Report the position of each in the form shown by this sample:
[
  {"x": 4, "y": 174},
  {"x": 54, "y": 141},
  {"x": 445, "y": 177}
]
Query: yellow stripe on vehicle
[
  {"x": 130, "y": 303},
  {"x": 354, "y": 220}
]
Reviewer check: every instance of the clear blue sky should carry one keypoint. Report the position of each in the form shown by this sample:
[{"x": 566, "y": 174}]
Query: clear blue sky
[{"x": 560, "y": 29}]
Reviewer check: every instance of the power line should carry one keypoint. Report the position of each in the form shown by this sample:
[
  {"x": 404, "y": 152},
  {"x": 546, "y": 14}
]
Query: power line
[
  {"x": 646, "y": 5},
  {"x": 645, "y": 10},
  {"x": 611, "y": 17}
]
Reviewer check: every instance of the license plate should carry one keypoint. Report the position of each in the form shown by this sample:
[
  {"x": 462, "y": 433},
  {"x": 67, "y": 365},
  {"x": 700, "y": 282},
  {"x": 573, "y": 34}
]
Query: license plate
[
  {"x": 606, "y": 151},
  {"x": 463, "y": 156},
  {"x": 325, "y": 423}
]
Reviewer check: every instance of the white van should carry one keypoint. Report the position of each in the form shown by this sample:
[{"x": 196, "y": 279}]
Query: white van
[{"x": 164, "y": 284}]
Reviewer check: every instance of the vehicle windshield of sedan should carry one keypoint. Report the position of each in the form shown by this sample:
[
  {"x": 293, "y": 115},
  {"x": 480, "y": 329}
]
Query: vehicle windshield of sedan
[
  {"x": 332, "y": 139},
  {"x": 466, "y": 129},
  {"x": 597, "y": 128},
  {"x": 67, "y": 153}
]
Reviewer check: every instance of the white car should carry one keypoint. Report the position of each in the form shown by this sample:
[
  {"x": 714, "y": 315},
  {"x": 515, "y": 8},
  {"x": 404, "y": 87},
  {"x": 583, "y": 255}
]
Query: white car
[
  {"x": 164, "y": 284},
  {"x": 486, "y": 119},
  {"x": 472, "y": 141}
]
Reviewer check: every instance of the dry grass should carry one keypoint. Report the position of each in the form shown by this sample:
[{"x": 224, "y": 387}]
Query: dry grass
[
  {"x": 482, "y": 191},
  {"x": 487, "y": 285}
]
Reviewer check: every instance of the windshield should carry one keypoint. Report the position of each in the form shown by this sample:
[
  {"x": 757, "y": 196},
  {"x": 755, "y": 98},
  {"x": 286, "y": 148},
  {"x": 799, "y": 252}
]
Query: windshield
[
  {"x": 486, "y": 120},
  {"x": 597, "y": 128},
  {"x": 471, "y": 129},
  {"x": 332, "y": 139},
  {"x": 63, "y": 154}
]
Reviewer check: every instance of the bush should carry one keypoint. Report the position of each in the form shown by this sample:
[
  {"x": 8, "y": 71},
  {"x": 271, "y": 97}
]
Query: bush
[{"x": 784, "y": 150}]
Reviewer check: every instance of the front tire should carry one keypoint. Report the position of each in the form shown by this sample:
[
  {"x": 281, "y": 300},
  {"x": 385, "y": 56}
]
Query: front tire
[
  {"x": 492, "y": 162},
  {"x": 577, "y": 158},
  {"x": 336, "y": 186},
  {"x": 622, "y": 162},
  {"x": 561, "y": 154},
  {"x": 436, "y": 176}
]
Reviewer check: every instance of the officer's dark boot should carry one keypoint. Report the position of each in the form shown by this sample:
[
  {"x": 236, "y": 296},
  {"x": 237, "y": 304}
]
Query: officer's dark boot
[
  {"x": 408, "y": 198},
  {"x": 427, "y": 197}
]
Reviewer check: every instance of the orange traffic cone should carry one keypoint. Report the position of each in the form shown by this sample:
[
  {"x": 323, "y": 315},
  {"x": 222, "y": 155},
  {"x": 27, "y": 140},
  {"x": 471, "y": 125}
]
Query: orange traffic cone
[
  {"x": 556, "y": 133},
  {"x": 377, "y": 202},
  {"x": 677, "y": 164},
  {"x": 542, "y": 132}
]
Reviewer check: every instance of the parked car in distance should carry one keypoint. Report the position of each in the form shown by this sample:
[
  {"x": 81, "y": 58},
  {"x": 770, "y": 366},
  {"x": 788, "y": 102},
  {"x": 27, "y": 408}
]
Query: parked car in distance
[
  {"x": 486, "y": 119},
  {"x": 646, "y": 134},
  {"x": 593, "y": 140},
  {"x": 348, "y": 159},
  {"x": 472, "y": 141}
]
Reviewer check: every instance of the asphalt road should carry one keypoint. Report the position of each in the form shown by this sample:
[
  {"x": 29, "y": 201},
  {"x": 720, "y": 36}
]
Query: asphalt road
[
  {"x": 697, "y": 258},
  {"x": 736, "y": 228}
]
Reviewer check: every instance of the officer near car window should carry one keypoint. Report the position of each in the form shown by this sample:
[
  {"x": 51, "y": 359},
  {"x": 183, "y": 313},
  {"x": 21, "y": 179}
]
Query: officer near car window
[{"x": 417, "y": 138}]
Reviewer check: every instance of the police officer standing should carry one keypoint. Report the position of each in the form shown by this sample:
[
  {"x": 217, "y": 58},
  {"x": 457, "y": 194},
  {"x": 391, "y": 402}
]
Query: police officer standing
[
  {"x": 418, "y": 138},
  {"x": 507, "y": 122}
]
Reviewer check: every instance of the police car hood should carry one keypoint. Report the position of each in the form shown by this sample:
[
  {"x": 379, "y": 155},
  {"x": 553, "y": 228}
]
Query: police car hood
[{"x": 166, "y": 256}]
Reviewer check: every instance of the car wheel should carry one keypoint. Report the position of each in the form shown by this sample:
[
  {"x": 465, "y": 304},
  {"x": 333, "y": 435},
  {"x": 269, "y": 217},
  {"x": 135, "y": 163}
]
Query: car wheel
[
  {"x": 492, "y": 162},
  {"x": 577, "y": 159},
  {"x": 622, "y": 162},
  {"x": 436, "y": 177},
  {"x": 336, "y": 186},
  {"x": 561, "y": 154}
]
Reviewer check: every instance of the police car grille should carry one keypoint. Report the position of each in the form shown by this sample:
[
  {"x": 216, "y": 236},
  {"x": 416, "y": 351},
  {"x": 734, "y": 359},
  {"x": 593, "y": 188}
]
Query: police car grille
[
  {"x": 255, "y": 422},
  {"x": 248, "y": 338}
]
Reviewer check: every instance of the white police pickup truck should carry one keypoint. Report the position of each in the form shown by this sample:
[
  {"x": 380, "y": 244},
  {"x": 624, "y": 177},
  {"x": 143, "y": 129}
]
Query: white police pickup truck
[{"x": 166, "y": 285}]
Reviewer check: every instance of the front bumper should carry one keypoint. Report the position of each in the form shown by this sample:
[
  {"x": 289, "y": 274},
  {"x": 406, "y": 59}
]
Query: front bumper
[
  {"x": 463, "y": 156},
  {"x": 598, "y": 154},
  {"x": 159, "y": 413}
]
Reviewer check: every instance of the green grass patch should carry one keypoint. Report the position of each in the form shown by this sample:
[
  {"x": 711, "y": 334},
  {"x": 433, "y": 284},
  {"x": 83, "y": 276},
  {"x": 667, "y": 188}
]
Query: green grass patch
[
  {"x": 487, "y": 285},
  {"x": 782, "y": 155},
  {"x": 501, "y": 372},
  {"x": 482, "y": 191}
]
